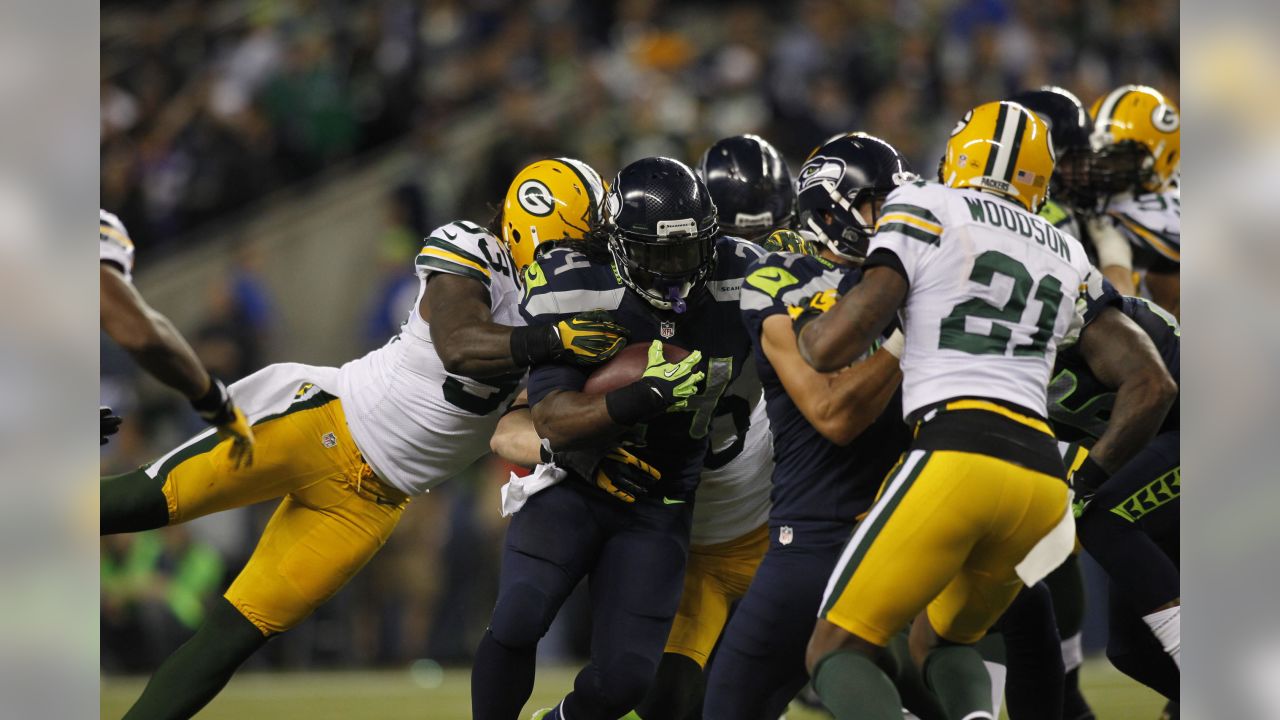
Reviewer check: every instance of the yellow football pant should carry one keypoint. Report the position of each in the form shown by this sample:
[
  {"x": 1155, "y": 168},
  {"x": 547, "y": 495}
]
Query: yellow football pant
[
  {"x": 715, "y": 577},
  {"x": 945, "y": 535},
  {"x": 334, "y": 516}
]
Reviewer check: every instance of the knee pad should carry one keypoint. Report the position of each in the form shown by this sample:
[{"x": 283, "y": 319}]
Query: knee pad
[
  {"x": 620, "y": 685},
  {"x": 521, "y": 616}
]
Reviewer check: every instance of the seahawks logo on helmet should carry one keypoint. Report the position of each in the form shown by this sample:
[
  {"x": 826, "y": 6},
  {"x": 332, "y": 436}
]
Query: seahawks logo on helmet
[
  {"x": 536, "y": 198},
  {"x": 821, "y": 170}
]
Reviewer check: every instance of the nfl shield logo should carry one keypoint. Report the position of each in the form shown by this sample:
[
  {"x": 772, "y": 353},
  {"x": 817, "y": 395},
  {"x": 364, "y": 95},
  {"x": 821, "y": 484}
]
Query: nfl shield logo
[
  {"x": 786, "y": 535},
  {"x": 667, "y": 328},
  {"x": 329, "y": 440}
]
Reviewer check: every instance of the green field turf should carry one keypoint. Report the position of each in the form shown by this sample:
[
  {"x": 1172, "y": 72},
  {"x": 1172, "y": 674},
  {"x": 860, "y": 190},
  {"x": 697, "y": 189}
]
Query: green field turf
[{"x": 431, "y": 694}]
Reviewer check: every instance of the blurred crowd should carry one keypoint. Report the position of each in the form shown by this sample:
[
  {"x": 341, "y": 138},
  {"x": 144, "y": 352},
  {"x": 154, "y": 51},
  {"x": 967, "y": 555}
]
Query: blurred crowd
[{"x": 208, "y": 106}]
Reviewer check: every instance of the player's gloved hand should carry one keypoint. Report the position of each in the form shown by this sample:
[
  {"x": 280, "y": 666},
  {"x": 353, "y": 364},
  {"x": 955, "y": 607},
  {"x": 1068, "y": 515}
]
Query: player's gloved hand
[
  {"x": 676, "y": 382},
  {"x": 1086, "y": 477},
  {"x": 789, "y": 241},
  {"x": 109, "y": 423},
  {"x": 625, "y": 476},
  {"x": 590, "y": 338},
  {"x": 216, "y": 408},
  {"x": 812, "y": 308}
]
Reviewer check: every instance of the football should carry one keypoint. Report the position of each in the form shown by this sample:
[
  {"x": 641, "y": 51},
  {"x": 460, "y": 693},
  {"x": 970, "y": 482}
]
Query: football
[{"x": 628, "y": 366}]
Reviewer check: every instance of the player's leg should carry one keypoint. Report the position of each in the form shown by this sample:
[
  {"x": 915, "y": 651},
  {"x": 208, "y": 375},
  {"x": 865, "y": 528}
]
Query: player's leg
[
  {"x": 317, "y": 540},
  {"x": 1033, "y": 652},
  {"x": 715, "y": 577},
  {"x": 1121, "y": 527},
  {"x": 759, "y": 665},
  {"x": 1066, "y": 584},
  {"x": 1135, "y": 651},
  {"x": 912, "y": 543},
  {"x": 550, "y": 544},
  {"x": 198, "y": 477},
  {"x": 635, "y": 590}
]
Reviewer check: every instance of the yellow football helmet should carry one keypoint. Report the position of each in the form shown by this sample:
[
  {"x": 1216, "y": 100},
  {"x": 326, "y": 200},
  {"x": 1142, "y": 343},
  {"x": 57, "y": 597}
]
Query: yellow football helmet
[
  {"x": 1004, "y": 148},
  {"x": 1136, "y": 137},
  {"x": 548, "y": 201}
]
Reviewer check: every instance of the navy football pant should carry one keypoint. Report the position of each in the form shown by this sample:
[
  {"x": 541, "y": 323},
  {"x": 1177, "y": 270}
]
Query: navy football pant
[
  {"x": 759, "y": 664},
  {"x": 634, "y": 556}
]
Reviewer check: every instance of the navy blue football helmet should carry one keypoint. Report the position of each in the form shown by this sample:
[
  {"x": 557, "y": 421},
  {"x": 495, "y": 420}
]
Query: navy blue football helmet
[
  {"x": 1069, "y": 131},
  {"x": 661, "y": 228},
  {"x": 751, "y": 186},
  {"x": 838, "y": 177}
]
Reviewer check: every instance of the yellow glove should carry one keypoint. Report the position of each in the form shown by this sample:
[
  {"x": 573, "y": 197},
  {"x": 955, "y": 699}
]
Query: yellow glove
[
  {"x": 789, "y": 241},
  {"x": 591, "y": 338},
  {"x": 812, "y": 308},
  {"x": 625, "y": 476},
  {"x": 237, "y": 430}
]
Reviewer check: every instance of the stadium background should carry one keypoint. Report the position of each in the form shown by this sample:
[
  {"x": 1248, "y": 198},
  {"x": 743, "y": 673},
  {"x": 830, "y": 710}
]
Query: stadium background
[{"x": 278, "y": 162}]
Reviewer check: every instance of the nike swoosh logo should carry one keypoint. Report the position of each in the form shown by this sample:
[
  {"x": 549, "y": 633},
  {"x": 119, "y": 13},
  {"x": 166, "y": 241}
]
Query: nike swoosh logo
[
  {"x": 671, "y": 372},
  {"x": 449, "y": 235},
  {"x": 669, "y": 501},
  {"x": 774, "y": 276}
]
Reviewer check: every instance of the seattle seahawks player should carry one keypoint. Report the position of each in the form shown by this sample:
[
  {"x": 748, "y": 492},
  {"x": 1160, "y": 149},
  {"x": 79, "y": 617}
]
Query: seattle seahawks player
[
  {"x": 979, "y": 505},
  {"x": 347, "y": 447},
  {"x": 157, "y": 346},
  {"x": 1117, "y": 389},
  {"x": 829, "y": 462},
  {"x": 751, "y": 185},
  {"x": 1136, "y": 145},
  {"x": 662, "y": 268}
]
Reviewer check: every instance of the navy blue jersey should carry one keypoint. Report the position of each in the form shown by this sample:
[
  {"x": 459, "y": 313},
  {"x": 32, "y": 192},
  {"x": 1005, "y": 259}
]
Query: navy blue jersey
[
  {"x": 813, "y": 478},
  {"x": 564, "y": 282},
  {"x": 1080, "y": 404}
]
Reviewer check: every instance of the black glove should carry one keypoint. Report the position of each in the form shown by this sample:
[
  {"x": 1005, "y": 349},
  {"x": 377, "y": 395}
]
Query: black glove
[
  {"x": 625, "y": 476},
  {"x": 109, "y": 423},
  {"x": 1086, "y": 479}
]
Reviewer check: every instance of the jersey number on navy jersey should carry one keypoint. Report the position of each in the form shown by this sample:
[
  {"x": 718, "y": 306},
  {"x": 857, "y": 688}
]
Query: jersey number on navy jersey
[{"x": 1048, "y": 290}]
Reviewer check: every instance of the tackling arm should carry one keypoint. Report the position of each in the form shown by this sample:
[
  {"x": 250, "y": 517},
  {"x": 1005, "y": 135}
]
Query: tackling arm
[
  {"x": 839, "y": 405},
  {"x": 462, "y": 329},
  {"x": 840, "y": 336},
  {"x": 1123, "y": 357},
  {"x": 515, "y": 439},
  {"x": 148, "y": 336},
  {"x": 572, "y": 420}
]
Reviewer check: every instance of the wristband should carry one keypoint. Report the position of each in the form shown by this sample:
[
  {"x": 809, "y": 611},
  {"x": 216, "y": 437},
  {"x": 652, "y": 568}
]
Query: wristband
[
  {"x": 895, "y": 344},
  {"x": 634, "y": 403},
  {"x": 1088, "y": 477},
  {"x": 534, "y": 344},
  {"x": 214, "y": 407}
]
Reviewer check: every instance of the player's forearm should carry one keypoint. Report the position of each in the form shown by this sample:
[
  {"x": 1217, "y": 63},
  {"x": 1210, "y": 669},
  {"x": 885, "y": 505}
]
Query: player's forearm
[
  {"x": 162, "y": 351},
  {"x": 1140, "y": 408},
  {"x": 516, "y": 439},
  {"x": 1121, "y": 277},
  {"x": 1166, "y": 291},
  {"x": 575, "y": 421},
  {"x": 859, "y": 395},
  {"x": 844, "y": 333},
  {"x": 479, "y": 350}
]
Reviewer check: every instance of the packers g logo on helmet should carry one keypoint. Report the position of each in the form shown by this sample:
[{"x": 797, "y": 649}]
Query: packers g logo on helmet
[
  {"x": 549, "y": 201},
  {"x": 1004, "y": 148},
  {"x": 1144, "y": 117}
]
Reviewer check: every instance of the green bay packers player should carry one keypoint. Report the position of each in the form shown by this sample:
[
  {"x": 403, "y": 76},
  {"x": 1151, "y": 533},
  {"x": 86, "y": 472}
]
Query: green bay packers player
[
  {"x": 978, "y": 505},
  {"x": 156, "y": 345},
  {"x": 1136, "y": 143},
  {"x": 347, "y": 447}
]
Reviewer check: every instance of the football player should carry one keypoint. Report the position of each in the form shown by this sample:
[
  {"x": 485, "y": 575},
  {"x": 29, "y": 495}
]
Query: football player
[
  {"x": 347, "y": 447},
  {"x": 751, "y": 187},
  {"x": 1113, "y": 390},
  {"x": 1136, "y": 142},
  {"x": 157, "y": 346},
  {"x": 662, "y": 268},
  {"x": 979, "y": 505},
  {"x": 829, "y": 461}
]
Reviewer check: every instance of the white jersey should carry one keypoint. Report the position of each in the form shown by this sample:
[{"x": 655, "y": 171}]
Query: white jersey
[
  {"x": 733, "y": 496},
  {"x": 993, "y": 288},
  {"x": 114, "y": 245},
  {"x": 1150, "y": 221},
  {"x": 416, "y": 424}
]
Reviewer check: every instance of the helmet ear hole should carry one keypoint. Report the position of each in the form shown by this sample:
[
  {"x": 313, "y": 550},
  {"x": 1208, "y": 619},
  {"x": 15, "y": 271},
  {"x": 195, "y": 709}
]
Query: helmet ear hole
[{"x": 515, "y": 235}]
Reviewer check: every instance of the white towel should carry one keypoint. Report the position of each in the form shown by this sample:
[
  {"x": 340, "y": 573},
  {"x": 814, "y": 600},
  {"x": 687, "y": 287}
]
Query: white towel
[
  {"x": 1052, "y": 550},
  {"x": 518, "y": 489}
]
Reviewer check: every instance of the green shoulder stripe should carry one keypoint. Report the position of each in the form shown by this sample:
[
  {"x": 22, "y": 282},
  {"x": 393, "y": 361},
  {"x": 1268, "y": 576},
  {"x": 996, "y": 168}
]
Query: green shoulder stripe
[
  {"x": 911, "y": 231},
  {"x": 437, "y": 242},
  {"x": 916, "y": 210},
  {"x": 453, "y": 268}
]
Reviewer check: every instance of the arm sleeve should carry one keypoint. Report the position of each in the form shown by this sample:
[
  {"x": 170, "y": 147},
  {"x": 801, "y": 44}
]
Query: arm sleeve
[{"x": 1096, "y": 294}]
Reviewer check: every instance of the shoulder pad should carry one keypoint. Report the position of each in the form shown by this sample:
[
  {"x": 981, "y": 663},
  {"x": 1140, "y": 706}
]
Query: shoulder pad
[
  {"x": 1151, "y": 220},
  {"x": 916, "y": 210},
  {"x": 563, "y": 281},
  {"x": 114, "y": 244},
  {"x": 778, "y": 274},
  {"x": 462, "y": 248}
]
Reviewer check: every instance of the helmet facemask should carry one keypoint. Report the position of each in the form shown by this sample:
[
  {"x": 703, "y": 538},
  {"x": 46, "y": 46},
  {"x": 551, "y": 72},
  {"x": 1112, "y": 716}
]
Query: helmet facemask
[
  {"x": 840, "y": 225},
  {"x": 665, "y": 270},
  {"x": 1120, "y": 167}
]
